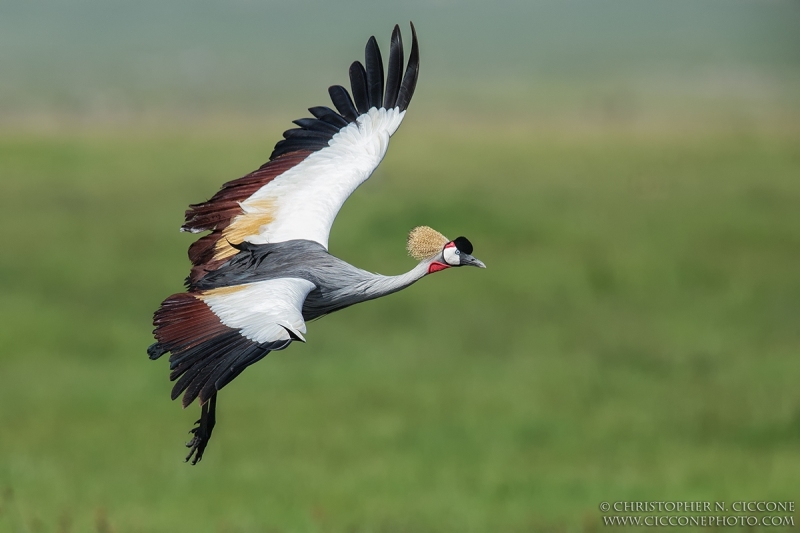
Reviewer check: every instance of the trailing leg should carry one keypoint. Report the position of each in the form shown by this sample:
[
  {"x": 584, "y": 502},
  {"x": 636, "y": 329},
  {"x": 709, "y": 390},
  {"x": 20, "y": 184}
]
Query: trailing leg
[{"x": 202, "y": 431}]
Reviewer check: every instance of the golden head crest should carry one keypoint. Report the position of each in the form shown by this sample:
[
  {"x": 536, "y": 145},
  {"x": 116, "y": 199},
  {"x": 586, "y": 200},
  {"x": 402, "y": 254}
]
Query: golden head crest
[{"x": 424, "y": 242}]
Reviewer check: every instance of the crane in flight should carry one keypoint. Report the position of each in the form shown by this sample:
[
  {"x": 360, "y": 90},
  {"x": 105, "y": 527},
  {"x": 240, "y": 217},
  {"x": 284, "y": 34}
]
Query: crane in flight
[{"x": 264, "y": 269}]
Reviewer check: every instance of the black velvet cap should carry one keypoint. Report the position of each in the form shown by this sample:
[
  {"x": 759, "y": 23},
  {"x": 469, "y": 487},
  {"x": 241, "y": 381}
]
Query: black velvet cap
[{"x": 463, "y": 244}]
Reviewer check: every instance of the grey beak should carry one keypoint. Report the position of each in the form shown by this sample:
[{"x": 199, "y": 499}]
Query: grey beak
[{"x": 467, "y": 259}]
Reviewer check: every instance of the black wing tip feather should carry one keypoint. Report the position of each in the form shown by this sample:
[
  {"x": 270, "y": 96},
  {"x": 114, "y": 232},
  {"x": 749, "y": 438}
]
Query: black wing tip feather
[
  {"x": 370, "y": 88},
  {"x": 374, "y": 70},
  {"x": 343, "y": 102},
  {"x": 156, "y": 350},
  {"x": 411, "y": 75},
  {"x": 394, "y": 74},
  {"x": 358, "y": 86}
]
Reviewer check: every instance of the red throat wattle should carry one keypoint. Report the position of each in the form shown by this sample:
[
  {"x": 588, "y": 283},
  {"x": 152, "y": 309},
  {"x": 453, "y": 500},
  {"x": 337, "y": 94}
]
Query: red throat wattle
[{"x": 436, "y": 266}]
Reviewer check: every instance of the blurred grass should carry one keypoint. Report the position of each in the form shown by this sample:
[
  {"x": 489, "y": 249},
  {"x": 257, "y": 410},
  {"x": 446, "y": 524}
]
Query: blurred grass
[{"x": 634, "y": 338}]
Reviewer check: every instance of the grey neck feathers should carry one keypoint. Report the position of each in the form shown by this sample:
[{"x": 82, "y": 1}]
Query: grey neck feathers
[{"x": 377, "y": 285}]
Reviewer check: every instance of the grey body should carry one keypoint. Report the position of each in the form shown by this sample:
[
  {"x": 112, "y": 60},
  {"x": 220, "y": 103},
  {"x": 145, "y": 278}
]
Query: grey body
[{"x": 338, "y": 284}]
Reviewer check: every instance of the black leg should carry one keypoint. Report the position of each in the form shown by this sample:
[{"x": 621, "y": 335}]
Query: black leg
[{"x": 202, "y": 431}]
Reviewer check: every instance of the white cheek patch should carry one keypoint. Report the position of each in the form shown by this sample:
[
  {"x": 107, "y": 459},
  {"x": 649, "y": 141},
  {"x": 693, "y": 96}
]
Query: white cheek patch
[{"x": 451, "y": 256}]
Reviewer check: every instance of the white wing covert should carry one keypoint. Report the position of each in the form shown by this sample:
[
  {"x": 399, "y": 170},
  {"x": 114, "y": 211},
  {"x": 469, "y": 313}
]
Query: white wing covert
[
  {"x": 304, "y": 201},
  {"x": 265, "y": 311}
]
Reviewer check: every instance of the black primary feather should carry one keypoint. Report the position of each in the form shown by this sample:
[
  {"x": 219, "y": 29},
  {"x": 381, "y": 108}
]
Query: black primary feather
[
  {"x": 202, "y": 356},
  {"x": 412, "y": 72},
  {"x": 358, "y": 84},
  {"x": 343, "y": 103},
  {"x": 374, "y": 66},
  {"x": 287, "y": 146},
  {"x": 237, "y": 367},
  {"x": 297, "y": 133},
  {"x": 314, "y": 124},
  {"x": 394, "y": 74},
  {"x": 328, "y": 115}
]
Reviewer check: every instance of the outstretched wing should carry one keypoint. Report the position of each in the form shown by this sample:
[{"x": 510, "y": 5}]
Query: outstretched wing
[
  {"x": 214, "y": 335},
  {"x": 313, "y": 170}
]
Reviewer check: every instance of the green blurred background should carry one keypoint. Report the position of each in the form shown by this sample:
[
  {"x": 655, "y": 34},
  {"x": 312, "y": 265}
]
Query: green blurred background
[{"x": 629, "y": 171}]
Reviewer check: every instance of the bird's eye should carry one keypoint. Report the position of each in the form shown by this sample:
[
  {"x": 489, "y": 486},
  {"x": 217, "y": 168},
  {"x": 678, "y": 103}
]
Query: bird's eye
[{"x": 458, "y": 252}]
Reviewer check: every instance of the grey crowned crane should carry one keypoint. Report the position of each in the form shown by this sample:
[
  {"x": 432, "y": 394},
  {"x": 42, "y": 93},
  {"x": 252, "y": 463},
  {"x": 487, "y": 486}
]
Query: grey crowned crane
[{"x": 264, "y": 270}]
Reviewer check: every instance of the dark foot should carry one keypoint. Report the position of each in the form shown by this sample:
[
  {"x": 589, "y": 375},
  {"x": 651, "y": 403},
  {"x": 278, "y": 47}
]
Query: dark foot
[{"x": 202, "y": 431}]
